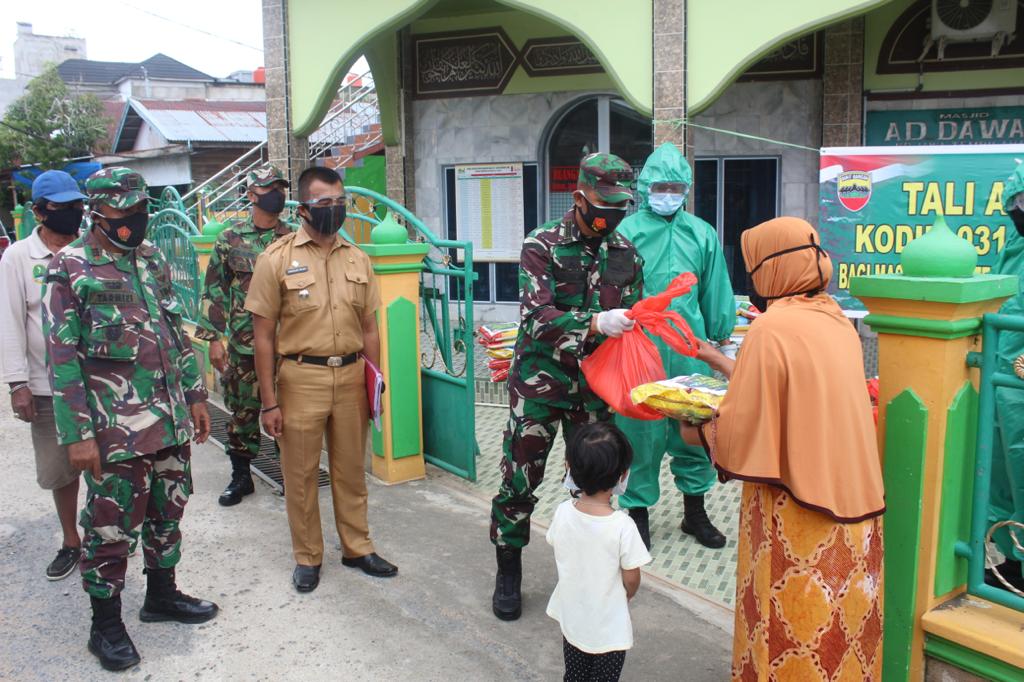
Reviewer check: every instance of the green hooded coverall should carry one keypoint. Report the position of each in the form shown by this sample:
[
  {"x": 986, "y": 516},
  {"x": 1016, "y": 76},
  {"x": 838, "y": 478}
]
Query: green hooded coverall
[
  {"x": 1006, "y": 498},
  {"x": 670, "y": 245}
]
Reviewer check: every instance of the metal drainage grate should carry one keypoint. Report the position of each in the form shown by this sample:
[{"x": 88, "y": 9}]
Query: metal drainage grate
[{"x": 266, "y": 465}]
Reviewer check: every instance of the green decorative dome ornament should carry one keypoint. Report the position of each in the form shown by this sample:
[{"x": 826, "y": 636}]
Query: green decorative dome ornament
[
  {"x": 212, "y": 228},
  {"x": 939, "y": 253},
  {"x": 388, "y": 231}
]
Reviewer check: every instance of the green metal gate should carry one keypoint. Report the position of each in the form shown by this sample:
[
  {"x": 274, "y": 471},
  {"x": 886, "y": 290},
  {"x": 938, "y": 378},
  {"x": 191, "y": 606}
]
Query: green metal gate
[
  {"x": 446, "y": 334},
  {"x": 973, "y": 549},
  {"x": 169, "y": 230}
]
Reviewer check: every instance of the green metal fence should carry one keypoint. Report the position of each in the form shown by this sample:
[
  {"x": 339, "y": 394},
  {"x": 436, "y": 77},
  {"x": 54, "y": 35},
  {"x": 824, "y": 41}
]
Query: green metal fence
[
  {"x": 171, "y": 231},
  {"x": 973, "y": 550}
]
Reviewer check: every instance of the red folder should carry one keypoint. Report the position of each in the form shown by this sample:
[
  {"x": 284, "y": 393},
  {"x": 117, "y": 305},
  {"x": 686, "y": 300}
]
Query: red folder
[{"x": 374, "y": 391}]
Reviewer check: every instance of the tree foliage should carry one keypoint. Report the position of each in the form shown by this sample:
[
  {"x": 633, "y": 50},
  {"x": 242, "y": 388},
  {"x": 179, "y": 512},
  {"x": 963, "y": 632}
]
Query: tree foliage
[{"x": 50, "y": 124}]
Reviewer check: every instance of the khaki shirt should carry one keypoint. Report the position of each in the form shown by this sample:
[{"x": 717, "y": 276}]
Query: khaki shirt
[{"x": 319, "y": 302}]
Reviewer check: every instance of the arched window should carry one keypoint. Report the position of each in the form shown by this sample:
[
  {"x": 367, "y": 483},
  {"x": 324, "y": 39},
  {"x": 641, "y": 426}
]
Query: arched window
[{"x": 597, "y": 123}]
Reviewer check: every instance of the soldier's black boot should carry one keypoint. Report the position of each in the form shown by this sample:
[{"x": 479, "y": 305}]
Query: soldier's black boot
[
  {"x": 507, "y": 602},
  {"x": 696, "y": 523},
  {"x": 108, "y": 640},
  {"x": 241, "y": 482},
  {"x": 643, "y": 524},
  {"x": 164, "y": 601}
]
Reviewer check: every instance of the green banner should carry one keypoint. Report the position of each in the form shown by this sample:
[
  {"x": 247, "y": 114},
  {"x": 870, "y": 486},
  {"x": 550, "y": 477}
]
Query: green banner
[
  {"x": 875, "y": 200},
  {"x": 990, "y": 125}
]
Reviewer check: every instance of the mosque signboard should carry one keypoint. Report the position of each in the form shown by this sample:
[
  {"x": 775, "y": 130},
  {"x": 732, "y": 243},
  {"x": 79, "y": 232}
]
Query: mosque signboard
[{"x": 874, "y": 200}]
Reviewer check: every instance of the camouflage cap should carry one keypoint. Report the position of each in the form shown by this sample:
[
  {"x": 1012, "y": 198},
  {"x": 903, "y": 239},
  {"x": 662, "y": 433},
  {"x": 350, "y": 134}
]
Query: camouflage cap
[
  {"x": 266, "y": 176},
  {"x": 608, "y": 175},
  {"x": 117, "y": 187},
  {"x": 1014, "y": 186}
]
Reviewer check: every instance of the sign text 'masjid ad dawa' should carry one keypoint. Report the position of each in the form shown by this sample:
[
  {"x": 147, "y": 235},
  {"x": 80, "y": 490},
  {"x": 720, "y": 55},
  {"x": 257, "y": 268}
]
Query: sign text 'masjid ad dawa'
[
  {"x": 990, "y": 125},
  {"x": 875, "y": 200}
]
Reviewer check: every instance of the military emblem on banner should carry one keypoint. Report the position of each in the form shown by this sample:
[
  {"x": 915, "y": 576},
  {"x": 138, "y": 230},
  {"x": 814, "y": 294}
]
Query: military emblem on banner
[{"x": 854, "y": 189}]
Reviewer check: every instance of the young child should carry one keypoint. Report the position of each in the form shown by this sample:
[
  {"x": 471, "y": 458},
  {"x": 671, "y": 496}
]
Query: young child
[{"x": 599, "y": 554}]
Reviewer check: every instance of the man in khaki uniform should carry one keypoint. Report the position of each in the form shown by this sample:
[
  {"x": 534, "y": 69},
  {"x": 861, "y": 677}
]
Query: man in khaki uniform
[{"x": 314, "y": 296}]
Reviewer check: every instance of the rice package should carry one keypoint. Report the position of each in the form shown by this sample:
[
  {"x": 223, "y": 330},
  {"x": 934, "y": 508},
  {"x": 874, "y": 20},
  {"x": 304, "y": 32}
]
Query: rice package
[{"x": 692, "y": 397}]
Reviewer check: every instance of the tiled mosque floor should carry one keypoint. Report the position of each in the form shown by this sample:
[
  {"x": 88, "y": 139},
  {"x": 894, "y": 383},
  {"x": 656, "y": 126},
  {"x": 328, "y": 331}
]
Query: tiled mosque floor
[{"x": 677, "y": 557}]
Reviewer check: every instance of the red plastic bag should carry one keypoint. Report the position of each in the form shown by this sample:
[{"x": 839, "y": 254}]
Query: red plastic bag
[{"x": 620, "y": 365}]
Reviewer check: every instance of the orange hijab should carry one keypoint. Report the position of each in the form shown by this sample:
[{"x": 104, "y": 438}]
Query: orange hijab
[{"x": 797, "y": 414}]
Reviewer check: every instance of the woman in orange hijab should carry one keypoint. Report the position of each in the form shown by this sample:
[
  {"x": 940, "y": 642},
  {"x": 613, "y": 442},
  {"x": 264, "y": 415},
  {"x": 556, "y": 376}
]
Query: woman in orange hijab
[{"x": 796, "y": 428}]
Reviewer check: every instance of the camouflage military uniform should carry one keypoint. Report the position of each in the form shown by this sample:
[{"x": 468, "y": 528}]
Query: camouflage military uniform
[
  {"x": 224, "y": 314},
  {"x": 123, "y": 372},
  {"x": 564, "y": 279}
]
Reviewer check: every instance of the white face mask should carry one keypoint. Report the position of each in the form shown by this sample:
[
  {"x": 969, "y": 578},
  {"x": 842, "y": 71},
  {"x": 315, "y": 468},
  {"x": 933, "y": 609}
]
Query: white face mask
[
  {"x": 664, "y": 203},
  {"x": 619, "y": 489}
]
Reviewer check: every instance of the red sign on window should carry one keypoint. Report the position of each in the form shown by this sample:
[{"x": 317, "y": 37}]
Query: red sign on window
[{"x": 563, "y": 178}]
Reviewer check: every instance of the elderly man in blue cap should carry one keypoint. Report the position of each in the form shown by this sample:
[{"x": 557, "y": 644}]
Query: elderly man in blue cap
[{"x": 58, "y": 206}]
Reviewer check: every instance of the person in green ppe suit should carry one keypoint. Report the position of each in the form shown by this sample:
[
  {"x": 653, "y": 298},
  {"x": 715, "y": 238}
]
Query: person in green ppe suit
[
  {"x": 672, "y": 241},
  {"x": 1006, "y": 499}
]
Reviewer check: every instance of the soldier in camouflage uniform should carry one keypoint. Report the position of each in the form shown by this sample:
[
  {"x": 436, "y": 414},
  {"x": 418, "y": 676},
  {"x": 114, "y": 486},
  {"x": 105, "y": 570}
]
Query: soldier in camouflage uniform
[
  {"x": 127, "y": 397},
  {"x": 224, "y": 314},
  {"x": 576, "y": 278}
]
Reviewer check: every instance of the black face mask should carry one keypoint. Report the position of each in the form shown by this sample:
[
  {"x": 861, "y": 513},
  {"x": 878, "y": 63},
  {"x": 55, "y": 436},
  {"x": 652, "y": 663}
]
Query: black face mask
[
  {"x": 603, "y": 221},
  {"x": 271, "y": 202},
  {"x": 761, "y": 302},
  {"x": 64, "y": 221},
  {"x": 1017, "y": 216},
  {"x": 756, "y": 299},
  {"x": 126, "y": 233},
  {"x": 326, "y": 219}
]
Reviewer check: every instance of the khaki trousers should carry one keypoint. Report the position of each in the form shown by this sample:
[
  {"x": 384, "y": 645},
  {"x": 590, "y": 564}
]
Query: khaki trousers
[{"x": 317, "y": 401}]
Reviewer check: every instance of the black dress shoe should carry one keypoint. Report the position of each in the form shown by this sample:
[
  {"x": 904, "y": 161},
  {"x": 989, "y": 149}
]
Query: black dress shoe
[
  {"x": 306, "y": 578},
  {"x": 371, "y": 564}
]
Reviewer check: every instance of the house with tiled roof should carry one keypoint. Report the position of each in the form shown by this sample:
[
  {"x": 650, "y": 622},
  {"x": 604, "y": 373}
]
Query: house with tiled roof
[{"x": 159, "y": 77}]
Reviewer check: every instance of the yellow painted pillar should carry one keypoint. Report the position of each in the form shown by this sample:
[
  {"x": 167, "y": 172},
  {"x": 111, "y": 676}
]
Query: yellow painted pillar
[
  {"x": 927, "y": 320},
  {"x": 398, "y": 444}
]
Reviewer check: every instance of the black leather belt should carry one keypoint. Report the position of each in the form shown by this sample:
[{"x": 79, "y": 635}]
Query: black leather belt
[{"x": 324, "y": 361}]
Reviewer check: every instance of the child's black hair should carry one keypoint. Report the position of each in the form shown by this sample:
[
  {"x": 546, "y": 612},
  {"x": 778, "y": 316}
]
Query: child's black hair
[{"x": 598, "y": 454}]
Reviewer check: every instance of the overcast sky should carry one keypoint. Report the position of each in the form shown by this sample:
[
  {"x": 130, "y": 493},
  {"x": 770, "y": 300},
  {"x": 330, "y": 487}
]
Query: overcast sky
[{"x": 126, "y": 30}]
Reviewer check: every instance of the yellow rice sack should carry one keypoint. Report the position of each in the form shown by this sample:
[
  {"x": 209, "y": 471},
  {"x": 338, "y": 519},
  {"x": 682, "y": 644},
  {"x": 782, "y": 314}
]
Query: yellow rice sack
[{"x": 692, "y": 397}]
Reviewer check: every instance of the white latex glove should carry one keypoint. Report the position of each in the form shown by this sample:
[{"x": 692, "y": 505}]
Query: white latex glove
[
  {"x": 614, "y": 323},
  {"x": 729, "y": 350}
]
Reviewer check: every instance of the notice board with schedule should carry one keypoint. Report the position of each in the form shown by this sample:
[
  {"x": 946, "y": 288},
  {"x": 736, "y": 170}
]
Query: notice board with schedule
[{"x": 489, "y": 209}]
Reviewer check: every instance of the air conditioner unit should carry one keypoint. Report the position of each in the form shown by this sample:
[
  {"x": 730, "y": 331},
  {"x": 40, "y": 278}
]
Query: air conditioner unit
[{"x": 955, "y": 21}]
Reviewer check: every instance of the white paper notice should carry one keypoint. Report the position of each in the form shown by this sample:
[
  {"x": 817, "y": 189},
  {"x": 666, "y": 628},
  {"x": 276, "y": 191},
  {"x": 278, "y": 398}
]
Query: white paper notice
[{"x": 489, "y": 209}]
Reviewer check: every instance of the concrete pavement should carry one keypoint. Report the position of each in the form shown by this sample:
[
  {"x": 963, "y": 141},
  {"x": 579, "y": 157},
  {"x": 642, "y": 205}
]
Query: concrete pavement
[{"x": 432, "y": 622}]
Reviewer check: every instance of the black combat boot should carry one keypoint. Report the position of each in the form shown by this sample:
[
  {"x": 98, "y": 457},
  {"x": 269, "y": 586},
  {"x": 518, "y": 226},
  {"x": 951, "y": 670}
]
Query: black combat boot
[
  {"x": 507, "y": 602},
  {"x": 696, "y": 523},
  {"x": 241, "y": 482},
  {"x": 642, "y": 520},
  {"x": 164, "y": 601},
  {"x": 108, "y": 640}
]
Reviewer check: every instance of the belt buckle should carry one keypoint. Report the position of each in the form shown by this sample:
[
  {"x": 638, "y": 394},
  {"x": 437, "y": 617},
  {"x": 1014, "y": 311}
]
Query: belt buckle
[{"x": 336, "y": 361}]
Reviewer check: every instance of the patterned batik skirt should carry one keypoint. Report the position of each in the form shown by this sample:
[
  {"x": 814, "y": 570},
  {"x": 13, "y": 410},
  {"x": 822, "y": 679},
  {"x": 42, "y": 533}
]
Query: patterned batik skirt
[{"x": 808, "y": 593}]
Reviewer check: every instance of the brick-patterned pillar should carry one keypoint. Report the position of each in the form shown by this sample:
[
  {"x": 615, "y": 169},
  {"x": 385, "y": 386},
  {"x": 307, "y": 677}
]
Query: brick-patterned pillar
[
  {"x": 669, "y": 72},
  {"x": 401, "y": 166},
  {"x": 286, "y": 151},
  {"x": 843, "y": 105}
]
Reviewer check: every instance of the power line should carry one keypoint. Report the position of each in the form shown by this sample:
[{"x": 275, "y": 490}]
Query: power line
[{"x": 192, "y": 28}]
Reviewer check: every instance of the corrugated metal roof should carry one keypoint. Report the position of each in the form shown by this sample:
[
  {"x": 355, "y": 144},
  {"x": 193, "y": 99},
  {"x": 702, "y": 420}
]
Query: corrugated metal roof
[{"x": 204, "y": 122}]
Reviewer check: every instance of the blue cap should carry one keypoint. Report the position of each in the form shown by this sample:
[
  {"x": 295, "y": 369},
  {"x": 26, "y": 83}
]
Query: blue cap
[{"x": 56, "y": 186}]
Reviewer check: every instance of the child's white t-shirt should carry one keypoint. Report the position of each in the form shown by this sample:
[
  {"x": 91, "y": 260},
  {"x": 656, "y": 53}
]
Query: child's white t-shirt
[{"x": 589, "y": 600}]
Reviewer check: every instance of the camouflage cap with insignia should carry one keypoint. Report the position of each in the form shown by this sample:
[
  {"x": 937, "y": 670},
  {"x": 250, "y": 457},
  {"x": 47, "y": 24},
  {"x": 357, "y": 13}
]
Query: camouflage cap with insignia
[
  {"x": 608, "y": 175},
  {"x": 264, "y": 177},
  {"x": 1014, "y": 185},
  {"x": 117, "y": 187}
]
